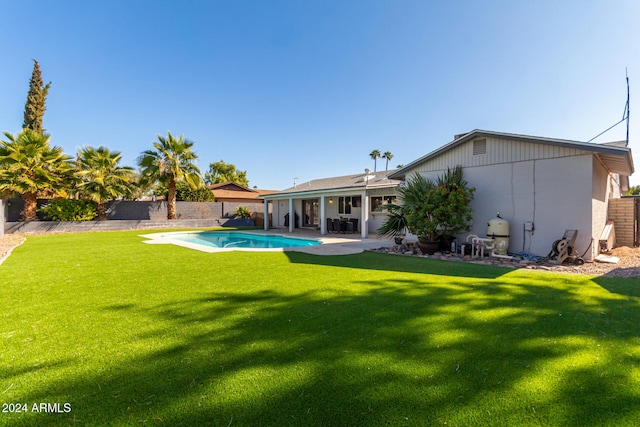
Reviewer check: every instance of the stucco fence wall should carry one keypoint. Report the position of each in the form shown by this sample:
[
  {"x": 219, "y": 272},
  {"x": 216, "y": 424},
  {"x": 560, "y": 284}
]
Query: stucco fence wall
[
  {"x": 155, "y": 211},
  {"x": 134, "y": 215},
  {"x": 3, "y": 215}
]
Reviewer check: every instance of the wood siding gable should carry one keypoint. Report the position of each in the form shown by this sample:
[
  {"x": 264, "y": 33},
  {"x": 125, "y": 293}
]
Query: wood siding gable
[{"x": 497, "y": 151}]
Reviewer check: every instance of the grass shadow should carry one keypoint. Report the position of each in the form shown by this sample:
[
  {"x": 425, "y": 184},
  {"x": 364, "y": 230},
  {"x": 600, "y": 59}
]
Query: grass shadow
[
  {"x": 297, "y": 339},
  {"x": 387, "y": 262},
  {"x": 619, "y": 285},
  {"x": 405, "y": 352}
]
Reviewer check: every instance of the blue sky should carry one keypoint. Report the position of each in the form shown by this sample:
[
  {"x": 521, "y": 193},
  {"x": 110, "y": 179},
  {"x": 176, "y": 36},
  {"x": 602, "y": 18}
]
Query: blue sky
[{"x": 308, "y": 89}]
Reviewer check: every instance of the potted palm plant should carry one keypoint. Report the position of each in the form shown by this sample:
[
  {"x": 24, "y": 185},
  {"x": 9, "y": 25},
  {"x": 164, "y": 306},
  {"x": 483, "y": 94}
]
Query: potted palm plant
[
  {"x": 395, "y": 225},
  {"x": 417, "y": 205},
  {"x": 432, "y": 208}
]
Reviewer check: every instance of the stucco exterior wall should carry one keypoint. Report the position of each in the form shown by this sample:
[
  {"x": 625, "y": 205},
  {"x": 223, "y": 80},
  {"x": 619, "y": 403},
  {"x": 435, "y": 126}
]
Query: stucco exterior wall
[
  {"x": 604, "y": 186},
  {"x": 553, "y": 193}
]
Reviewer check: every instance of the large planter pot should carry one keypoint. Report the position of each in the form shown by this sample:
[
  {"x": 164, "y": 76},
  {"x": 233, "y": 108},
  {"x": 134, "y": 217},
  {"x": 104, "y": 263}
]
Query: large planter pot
[{"x": 429, "y": 248}]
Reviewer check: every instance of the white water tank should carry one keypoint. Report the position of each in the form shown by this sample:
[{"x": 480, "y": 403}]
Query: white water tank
[{"x": 498, "y": 229}]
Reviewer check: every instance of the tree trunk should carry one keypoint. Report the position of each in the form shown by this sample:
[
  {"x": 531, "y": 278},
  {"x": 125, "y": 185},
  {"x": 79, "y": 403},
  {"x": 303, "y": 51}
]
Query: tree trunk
[
  {"x": 101, "y": 211},
  {"x": 171, "y": 200},
  {"x": 30, "y": 206}
]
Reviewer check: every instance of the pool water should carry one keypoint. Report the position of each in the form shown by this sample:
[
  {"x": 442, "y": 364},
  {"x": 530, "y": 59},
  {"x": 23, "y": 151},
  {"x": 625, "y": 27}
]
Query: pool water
[{"x": 232, "y": 240}]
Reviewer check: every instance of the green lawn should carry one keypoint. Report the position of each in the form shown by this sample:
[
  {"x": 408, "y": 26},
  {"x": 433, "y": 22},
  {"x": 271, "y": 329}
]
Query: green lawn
[{"x": 127, "y": 333}]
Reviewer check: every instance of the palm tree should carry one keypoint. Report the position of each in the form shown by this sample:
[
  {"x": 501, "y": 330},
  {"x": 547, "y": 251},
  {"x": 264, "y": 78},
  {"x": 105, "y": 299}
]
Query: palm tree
[
  {"x": 171, "y": 162},
  {"x": 29, "y": 166},
  {"x": 101, "y": 179},
  {"x": 388, "y": 156},
  {"x": 375, "y": 154}
]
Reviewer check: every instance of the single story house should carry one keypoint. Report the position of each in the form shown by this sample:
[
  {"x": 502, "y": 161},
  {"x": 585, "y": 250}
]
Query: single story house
[
  {"x": 542, "y": 186},
  {"x": 359, "y": 197}
]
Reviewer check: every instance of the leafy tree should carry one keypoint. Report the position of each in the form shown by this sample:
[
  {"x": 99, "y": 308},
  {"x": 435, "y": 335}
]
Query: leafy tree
[
  {"x": 141, "y": 187},
  {"x": 30, "y": 167},
  {"x": 633, "y": 191},
  {"x": 387, "y": 156},
  {"x": 171, "y": 162},
  {"x": 35, "y": 105},
  {"x": 375, "y": 155},
  {"x": 101, "y": 179},
  {"x": 187, "y": 194},
  {"x": 220, "y": 172}
]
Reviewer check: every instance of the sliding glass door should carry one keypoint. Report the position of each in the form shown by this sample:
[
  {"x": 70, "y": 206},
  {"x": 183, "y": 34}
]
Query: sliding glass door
[{"x": 311, "y": 209}]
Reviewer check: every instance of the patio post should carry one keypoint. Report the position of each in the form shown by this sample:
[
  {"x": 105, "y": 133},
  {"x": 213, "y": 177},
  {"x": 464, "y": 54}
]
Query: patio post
[
  {"x": 364, "y": 229},
  {"x": 266, "y": 215},
  {"x": 292, "y": 217},
  {"x": 323, "y": 221}
]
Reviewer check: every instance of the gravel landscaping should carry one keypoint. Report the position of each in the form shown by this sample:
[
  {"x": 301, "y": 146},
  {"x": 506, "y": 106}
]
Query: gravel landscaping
[
  {"x": 7, "y": 243},
  {"x": 628, "y": 266}
]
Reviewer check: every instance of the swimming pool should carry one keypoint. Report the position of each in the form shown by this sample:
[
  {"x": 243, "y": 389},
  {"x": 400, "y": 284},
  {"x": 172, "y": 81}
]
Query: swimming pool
[{"x": 225, "y": 240}]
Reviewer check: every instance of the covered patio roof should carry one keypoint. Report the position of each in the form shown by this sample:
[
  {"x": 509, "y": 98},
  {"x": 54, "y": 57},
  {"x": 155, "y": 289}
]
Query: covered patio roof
[{"x": 333, "y": 185}]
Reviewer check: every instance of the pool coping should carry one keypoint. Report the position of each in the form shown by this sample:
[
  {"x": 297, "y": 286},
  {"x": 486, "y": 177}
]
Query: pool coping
[{"x": 330, "y": 244}]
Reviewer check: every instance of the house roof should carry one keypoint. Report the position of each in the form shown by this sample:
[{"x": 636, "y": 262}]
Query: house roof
[
  {"x": 615, "y": 155},
  {"x": 232, "y": 190},
  {"x": 358, "y": 181}
]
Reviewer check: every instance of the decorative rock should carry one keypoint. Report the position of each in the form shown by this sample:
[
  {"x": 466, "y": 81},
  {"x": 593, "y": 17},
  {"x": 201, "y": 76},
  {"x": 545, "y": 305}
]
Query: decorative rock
[{"x": 629, "y": 265}]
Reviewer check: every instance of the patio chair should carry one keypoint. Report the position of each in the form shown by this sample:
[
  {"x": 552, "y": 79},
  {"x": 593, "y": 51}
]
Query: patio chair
[
  {"x": 348, "y": 226},
  {"x": 355, "y": 224},
  {"x": 330, "y": 225},
  {"x": 336, "y": 225}
]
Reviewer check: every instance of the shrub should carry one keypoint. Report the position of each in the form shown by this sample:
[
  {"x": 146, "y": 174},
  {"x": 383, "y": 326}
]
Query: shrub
[
  {"x": 69, "y": 210},
  {"x": 242, "y": 212},
  {"x": 432, "y": 207}
]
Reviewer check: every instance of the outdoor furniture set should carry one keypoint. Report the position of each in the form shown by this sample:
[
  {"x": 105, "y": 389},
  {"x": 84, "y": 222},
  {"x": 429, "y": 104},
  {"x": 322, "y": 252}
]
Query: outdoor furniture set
[{"x": 342, "y": 225}]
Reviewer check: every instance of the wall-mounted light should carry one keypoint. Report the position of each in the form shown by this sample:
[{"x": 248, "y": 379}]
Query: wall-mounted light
[{"x": 330, "y": 200}]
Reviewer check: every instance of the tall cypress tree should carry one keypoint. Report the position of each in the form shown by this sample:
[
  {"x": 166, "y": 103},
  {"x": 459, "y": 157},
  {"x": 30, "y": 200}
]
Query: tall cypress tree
[{"x": 35, "y": 106}]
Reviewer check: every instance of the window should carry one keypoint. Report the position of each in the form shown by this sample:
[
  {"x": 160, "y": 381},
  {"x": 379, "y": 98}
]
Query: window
[
  {"x": 378, "y": 203},
  {"x": 344, "y": 205}
]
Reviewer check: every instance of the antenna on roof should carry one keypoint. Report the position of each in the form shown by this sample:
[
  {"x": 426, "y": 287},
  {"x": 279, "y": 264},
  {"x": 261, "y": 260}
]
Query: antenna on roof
[
  {"x": 294, "y": 181},
  {"x": 625, "y": 116},
  {"x": 626, "y": 108}
]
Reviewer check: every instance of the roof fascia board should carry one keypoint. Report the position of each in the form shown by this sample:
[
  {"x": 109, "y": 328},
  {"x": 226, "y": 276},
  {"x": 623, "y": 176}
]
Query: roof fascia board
[{"x": 340, "y": 190}]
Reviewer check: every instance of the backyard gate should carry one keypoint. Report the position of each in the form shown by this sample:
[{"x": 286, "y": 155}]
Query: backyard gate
[{"x": 625, "y": 214}]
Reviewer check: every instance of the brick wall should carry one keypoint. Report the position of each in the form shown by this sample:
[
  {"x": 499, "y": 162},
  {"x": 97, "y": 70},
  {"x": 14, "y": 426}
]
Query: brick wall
[{"x": 622, "y": 212}]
